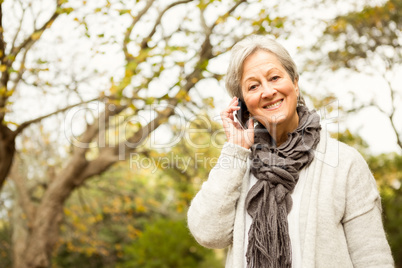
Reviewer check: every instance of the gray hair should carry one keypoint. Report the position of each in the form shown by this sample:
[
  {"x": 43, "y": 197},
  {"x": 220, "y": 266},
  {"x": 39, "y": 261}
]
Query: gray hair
[{"x": 248, "y": 46}]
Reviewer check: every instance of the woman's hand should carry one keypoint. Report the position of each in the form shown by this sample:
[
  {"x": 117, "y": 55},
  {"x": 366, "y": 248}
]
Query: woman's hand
[{"x": 233, "y": 130}]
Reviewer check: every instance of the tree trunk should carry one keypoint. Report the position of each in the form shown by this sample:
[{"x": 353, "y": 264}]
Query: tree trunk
[
  {"x": 19, "y": 232},
  {"x": 49, "y": 215},
  {"x": 43, "y": 238},
  {"x": 7, "y": 150}
]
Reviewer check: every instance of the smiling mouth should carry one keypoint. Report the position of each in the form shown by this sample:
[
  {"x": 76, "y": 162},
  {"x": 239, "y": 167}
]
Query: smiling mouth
[{"x": 274, "y": 105}]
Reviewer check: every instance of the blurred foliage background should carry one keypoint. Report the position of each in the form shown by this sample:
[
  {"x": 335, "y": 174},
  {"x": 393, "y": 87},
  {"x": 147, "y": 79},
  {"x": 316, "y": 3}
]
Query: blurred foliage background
[{"x": 109, "y": 116}]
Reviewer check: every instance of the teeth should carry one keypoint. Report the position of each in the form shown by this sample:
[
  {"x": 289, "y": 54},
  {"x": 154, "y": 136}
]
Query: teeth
[{"x": 273, "y": 105}]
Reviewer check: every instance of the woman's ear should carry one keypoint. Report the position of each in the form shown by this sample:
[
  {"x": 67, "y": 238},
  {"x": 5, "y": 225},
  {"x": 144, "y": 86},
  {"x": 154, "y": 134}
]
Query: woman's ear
[{"x": 296, "y": 83}]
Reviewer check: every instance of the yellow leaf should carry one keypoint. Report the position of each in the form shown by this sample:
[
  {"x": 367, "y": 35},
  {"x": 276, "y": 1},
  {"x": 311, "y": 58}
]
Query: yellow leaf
[
  {"x": 36, "y": 35},
  {"x": 67, "y": 212},
  {"x": 90, "y": 251},
  {"x": 219, "y": 20},
  {"x": 139, "y": 203},
  {"x": 3, "y": 68},
  {"x": 133, "y": 232}
]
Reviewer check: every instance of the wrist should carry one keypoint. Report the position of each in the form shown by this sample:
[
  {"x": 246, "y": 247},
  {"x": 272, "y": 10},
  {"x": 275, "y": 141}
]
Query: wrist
[{"x": 240, "y": 143}]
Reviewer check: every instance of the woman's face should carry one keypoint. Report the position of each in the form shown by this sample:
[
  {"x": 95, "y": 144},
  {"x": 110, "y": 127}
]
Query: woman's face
[{"x": 269, "y": 92}]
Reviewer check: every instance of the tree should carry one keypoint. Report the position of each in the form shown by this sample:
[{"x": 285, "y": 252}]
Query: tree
[
  {"x": 172, "y": 60},
  {"x": 107, "y": 220},
  {"x": 178, "y": 250},
  {"x": 368, "y": 41},
  {"x": 387, "y": 169}
]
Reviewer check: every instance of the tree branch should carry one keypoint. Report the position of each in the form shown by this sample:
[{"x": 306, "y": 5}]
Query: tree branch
[
  {"x": 21, "y": 70},
  {"x": 144, "y": 42},
  {"x": 110, "y": 155},
  {"x": 136, "y": 139},
  {"x": 206, "y": 48},
  {"x": 360, "y": 107},
  {"x": 19, "y": 26},
  {"x": 398, "y": 138},
  {"x": 203, "y": 22},
  {"x": 36, "y": 33},
  {"x": 2, "y": 41},
  {"x": 36, "y": 120},
  {"x": 23, "y": 193},
  {"x": 97, "y": 127},
  {"x": 230, "y": 11},
  {"x": 105, "y": 160},
  {"x": 129, "y": 30},
  {"x": 3, "y": 61},
  {"x": 392, "y": 114},
  {"x": 191, "y": 80},
  {"x": 26, "y": 44}
]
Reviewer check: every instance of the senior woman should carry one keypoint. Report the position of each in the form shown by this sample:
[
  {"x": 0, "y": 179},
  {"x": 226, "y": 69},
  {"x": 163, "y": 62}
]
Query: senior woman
[{"x": 283, "y": 193}]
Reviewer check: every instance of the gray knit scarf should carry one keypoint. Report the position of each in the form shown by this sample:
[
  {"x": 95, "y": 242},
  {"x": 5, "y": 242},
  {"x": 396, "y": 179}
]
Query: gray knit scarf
[{"x": 268, "y": 202}]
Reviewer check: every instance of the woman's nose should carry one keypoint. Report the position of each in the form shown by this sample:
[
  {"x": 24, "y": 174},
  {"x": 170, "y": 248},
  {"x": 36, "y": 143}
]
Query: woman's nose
[{"x": 268, "y": 91}]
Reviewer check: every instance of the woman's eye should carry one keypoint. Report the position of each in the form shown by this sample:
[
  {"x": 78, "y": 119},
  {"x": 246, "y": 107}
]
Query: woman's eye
[
  {"x": 252, "y": 87},
  {"x": 275, "y": 78}
]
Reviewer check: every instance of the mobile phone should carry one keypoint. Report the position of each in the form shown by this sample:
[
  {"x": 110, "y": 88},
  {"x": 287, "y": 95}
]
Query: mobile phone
[{"x": 242, "y": 114}]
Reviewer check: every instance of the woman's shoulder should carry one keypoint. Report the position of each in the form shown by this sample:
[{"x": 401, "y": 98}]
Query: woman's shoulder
[
  {"x": 347, "y": 154},
  {"x": 338, "y": 154},
  {"x": 349, "y": 170}
]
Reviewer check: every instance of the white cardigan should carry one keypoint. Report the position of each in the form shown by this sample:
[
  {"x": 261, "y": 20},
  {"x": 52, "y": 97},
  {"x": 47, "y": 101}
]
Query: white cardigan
[{"x": 340, "y": 210}]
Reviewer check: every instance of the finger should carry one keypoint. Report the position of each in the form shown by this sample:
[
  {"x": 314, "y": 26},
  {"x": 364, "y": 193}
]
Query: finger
[
  {"x": 228, "y": 112},
  {"x": 233, "y": 100},
  {"x": 250, "y": 132},
  {"x": 227, "y": 125},
  {"x": 231, "y": 125},
  {"x": 226, "y": 115},
  {"x": 233, "y": 103},
  {"x": 226, "y": 128},
  {"x": 250, "y": 124},
  {"x": 238, "y": 125}
]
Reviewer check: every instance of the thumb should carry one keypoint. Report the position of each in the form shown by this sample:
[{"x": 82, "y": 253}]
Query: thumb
[
  {"x": 250, "y": 125},
  {"x": 250, "y": 132}
]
